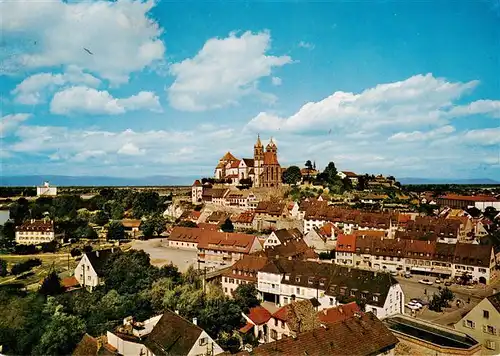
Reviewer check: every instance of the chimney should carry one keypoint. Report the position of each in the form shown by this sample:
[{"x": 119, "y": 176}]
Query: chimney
[
  {"x": 325, "y": 311},
  {"x": 177, "y": 311},
  {"x": 112, "y": 249},
  {"x": 341, "y": 310},
  {"x": 428, "y": 242},
  {"x": 195, "y": 321}
]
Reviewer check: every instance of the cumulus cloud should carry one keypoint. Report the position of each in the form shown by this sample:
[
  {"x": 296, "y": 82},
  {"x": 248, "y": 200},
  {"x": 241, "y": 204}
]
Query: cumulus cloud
[
  {"x": 122, "y": 36},
  {"x": 422, "y": 135},
  {"x": 10, "y": 122},
  {"x": 489, "y": 136},
  {"x": 223, "y": 71},
  {"x": 276, "y": 80},
  {"x": 129, "y": 149},
  {"x": 418, "y": 100},
  {"x": 33, "y": 89},
  {"x": 81, "y": 99}
]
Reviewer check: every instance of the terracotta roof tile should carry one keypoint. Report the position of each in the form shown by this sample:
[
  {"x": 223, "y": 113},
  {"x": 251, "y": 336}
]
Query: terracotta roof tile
[
  {"x": 340, "y": 313},
  {"x": 226, "y": 241},
  {"x": 346, "y": 243},
  {"x": 259, "y": 315}
]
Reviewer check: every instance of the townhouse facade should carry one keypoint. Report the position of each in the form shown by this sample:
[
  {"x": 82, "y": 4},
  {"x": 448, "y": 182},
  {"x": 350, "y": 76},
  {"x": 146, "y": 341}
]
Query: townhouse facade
[
  {"x": 281, "y": 281},
  {"x": 424, "y": 257},
  {"x": 35, "y": 232}
]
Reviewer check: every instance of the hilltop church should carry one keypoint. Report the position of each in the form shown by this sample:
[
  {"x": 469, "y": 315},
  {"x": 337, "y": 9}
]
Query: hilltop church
[{"x": 263, "y": 169}]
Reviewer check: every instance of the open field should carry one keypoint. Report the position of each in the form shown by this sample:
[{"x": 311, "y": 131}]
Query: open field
[{"x": 59, "y": 261}]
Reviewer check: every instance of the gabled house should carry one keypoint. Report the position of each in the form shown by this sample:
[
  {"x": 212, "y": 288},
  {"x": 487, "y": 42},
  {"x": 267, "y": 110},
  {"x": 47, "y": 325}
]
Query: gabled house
[
  {"x": 268, "y": 213},
  {"x": 257, "y": 319},
  {"x": 344, "y": 252},
  {"x": 244, "y": 271},
  {"x": 483, "y": 323},
  {"x": 129, "y": 338},
  {"x": 90, "y": 270},
  {"x": 93, "y": 346},
  {"x": 322, "y": 239},
  {"x": 174, "y": 335},
  {"x": 281, "y": 236}
]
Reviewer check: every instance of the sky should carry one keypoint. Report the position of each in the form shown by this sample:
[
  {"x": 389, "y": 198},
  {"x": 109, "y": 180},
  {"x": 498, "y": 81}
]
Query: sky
[{"x": 140, "y": 88}]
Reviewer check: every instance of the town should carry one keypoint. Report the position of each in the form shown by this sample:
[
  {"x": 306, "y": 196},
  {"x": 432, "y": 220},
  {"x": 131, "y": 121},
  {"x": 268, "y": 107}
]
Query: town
[{"x": 257, "y": 259}]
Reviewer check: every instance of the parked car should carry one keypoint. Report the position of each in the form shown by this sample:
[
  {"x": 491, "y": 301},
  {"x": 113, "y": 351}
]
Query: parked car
[
  {"x": 447, "y": 283},
  {"x": 412, "y": 306},
  {"x": 437, "y": 281},
  {"x": 421, "y": 301},
  {"x": 407, "y": 275},
  {"x": 415, "y": 303},
  {"x": 425, "y": 281},
  {"x": 394, "y": 273}
]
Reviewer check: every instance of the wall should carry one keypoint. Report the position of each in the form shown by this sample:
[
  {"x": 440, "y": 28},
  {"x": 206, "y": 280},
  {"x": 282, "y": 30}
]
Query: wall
[
  {"x": 85, "y": 270},
  {"x": 183, "y": 245},
  {"x": 126, "y": 347},
  {"x": 202, "y": 349},
  {"x": 476, "y": 315}
]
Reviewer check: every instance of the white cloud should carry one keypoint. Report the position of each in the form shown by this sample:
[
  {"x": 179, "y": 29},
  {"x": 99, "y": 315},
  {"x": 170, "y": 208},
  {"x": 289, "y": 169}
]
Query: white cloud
[
  {"x": 276, "y": 80},
  {"x": 10, "y": 122},
  {"x": 490, "y": 136},
  {"x": 423, "y": 135},
  {"x": 120, "y": 34},
  {"x": 129, "y": 149},
  {"x": 418, "y": 100},
  {"x": 223, "y": 71},
  {"x": 33, "y": 89},
  {"x": 80, "y": 99},
  {"x": 307, "y": 45},
  {"x": 483, "y": 107}
]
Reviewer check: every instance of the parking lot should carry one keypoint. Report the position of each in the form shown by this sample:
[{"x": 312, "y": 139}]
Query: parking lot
[{"x": 161, "y": 255}]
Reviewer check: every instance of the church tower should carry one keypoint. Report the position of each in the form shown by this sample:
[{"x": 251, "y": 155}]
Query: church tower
[{"x": 258, "y": 156}]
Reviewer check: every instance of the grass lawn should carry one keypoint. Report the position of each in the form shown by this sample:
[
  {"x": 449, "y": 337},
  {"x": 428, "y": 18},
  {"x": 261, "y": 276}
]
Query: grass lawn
[{"x": 57, "y": 261}]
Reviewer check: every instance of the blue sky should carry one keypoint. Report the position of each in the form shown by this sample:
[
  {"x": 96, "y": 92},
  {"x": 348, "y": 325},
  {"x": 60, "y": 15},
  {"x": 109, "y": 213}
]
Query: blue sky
[{"x": 392, "y": 87}]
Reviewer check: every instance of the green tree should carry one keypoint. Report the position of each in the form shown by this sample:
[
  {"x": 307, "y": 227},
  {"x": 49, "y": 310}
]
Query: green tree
[
  {"x": 67, "y": 205},
  {"x": 116, "y": 231},
  {"x": 19, "y": 211},
  {"x": 114, "y": 209},
  {"x": 227, "y": 226},
  {"x": 187, "y": 223},
  {"x": 330, "y": 173},
  {"x": 60, "y": 335},
  {"x": 51, "y": 285},
  {"x": 86, "y": 232},
  {"x": 292, "y": 175},
  {"x": 220, "y": 316},
  {"x": 309, "y": 164},
  {"x": 8, "y": 236},
  {"x": 100, "y": 218},
  {"x": 154, "y": 225},
  {"x": 3, "y": 268},
  {"x": 245, "y": 296},
  {"x": 145, "y": 203}
]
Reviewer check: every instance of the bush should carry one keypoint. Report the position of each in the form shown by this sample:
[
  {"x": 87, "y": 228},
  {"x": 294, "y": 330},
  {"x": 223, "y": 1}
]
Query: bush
[
  {"x": 50, "y": 246},
  {"x": 25, "y": 266},
  {"x": 3, "y": 268},
  {"x": 87, "y": 249},
  {"x": 25, "y": 249}
]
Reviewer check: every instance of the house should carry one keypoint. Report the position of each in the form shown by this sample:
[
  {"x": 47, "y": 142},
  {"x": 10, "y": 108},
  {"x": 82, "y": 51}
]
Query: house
[
  {"x": 185, "y": 237},
  {"x": 131, "y": 226},
  {"x": 129, "y": 338},
  {"x": 244, "y": 271},
  {"x": 70, "y": 284},
  {"x": 90, "y": 270},
  {"x": 217, "y": 217},
  {"x": 257, "y": 319},
  {"x": 46, "y": 190},
  {"x": 174, "y": 335},
  {"x": 353, "y": 177},
  {"x": 340, "y": 313},
  {"x": 281, "y": 236},
  {"x": 267, "y": 214},
  {"x": 243, "y": 221},
  {"x": 93, "y": 346},
  {"x": 362, "y": 335},
  {"x": 221, "y": 249},
  {"x": 283, "y": 280},
  {"x": 35, "y": 232},
  {"x": 481, "y": 202},
  {"x": 344, "y": 252},
  {"x": 196, "y": 192},
  {"x": 483, "y": 323},
  {"x": 323, "y": 239},
  {"x": 173, "y": 212}
]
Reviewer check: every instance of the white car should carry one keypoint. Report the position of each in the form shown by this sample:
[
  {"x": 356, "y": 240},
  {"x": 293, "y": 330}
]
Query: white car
[
  {"x": 412, "y": 306},
  {"x": 425, "y": 281},
  {"x": 415, "y": 303},
  {"x": 437, "y": 281}
]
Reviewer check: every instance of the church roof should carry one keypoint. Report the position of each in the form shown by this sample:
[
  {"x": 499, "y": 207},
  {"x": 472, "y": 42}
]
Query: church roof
[
  {"x": 258, "y": 143},
  {"x": 270, "y": 158},
  {"x": 228, "y": 157}
]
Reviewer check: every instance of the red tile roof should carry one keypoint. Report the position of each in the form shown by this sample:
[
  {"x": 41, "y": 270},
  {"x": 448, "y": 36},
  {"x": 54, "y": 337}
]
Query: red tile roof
[
  {"x": 207, "y": 226},
  {"x": 186, "y": 234},
  {"x": 270, "y": 158},
  {"x": 226, "y": 241},
  {"x": 197, "y": 183},
  {"x": 244, "y": 218},
  {"x": 235, "y": 164},
  {"x": 373, "y": 233},
  {"x": 350, "y": 174},
  {"x": 472, "y": 198},
  {"x": 69, "y": 282},
  {"x": 340, "y": 313},
  {"x": 36, "y": 225},
  {"x": 346, "y": 243},
  {"x": 131, "y": 223},
  {"x": 259, "y": 315},
  {"x": 246, "y": 328}
]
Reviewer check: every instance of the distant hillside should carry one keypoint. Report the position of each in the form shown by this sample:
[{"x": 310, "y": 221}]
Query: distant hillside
[
  {"x": 82, "y": 181},
  {"x": 406, "y": 181}
]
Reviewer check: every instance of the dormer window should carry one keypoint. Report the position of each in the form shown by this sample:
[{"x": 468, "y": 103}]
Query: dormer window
[
  {"x": 287, "y": 277},
  {"x": 310, "y": 280},
  {"x": 297, "y": 279},
  {"x": 375, "y": 298}
]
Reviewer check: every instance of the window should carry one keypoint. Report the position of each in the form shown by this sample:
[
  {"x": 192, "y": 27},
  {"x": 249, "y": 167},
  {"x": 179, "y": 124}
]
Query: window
[
  {"x": 274, "y": 334},
  {"x": 490, "y": 345},
  {"x": 374, "y": 311},
  {"x": 275, "y": 322},
  {"x": 203, "y": 341},
  {"x": 469, "y": 324},
  {"x": 486, "y": 314},
  {"x": 282, "y": 324},
  {"x": 375, "y": 298},
  {"x": 488, "y": 329},
  {"x": 331, "y": 301}
]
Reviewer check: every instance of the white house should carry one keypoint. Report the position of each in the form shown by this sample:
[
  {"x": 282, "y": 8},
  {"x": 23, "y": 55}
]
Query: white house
[
  {"x": 174, "y": 335},
  {"x": 46, "y": 190},
  {"x": 128, "y": 339},
  {"x": 89, "y": 271},
  {"x": 281, "y": 236},
  {"x": 35, "y": 232},
  {"x": 283, "y": 280}
]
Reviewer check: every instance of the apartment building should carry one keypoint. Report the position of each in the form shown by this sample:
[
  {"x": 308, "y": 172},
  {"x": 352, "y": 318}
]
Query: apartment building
[
  {"x": 283, "y": 280},
  {"x": 35, "y": 232},
  {"x": 244, "y": 271}
]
